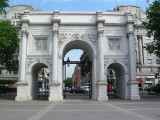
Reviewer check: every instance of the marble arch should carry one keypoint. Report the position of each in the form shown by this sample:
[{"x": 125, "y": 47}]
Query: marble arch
[
  {"x": 106, "y": 36},
  {"x": 85, "y": 44}
]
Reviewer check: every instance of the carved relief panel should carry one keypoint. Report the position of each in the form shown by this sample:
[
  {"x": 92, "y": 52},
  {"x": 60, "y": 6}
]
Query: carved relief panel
[
  {"x": 41, "y": 43},
  {"x": 115, "y": 44}
]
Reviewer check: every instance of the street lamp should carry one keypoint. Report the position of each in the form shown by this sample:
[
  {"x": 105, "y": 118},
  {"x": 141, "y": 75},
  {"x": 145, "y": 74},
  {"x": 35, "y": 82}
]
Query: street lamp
[
  {"x": 68, "y": 60},
  {"x": 68, "y": 63}
]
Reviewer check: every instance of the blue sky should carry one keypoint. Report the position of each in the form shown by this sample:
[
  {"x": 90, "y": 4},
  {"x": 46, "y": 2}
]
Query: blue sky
[{"x": 78, "y": 5}]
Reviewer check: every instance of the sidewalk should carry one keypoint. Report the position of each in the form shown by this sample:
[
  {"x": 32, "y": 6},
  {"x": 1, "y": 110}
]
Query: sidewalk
[{"x": 82, "y": 109}]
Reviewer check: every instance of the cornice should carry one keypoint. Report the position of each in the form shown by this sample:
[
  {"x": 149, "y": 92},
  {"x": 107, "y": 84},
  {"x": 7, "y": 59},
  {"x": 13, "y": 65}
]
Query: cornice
[
  {"x": 114, "y": 24},
  {"x": 139, "y": 26},
  {"x": 78, "y": 24},
  {"x": 38, "y": 56},
  {"x": 116, "y": 56},
  {"x": 41, "y": 13},
  {"x": 138, "y": 33},
  {"x": 115, "y": 13},
  {"x": 40, "y": 24}
]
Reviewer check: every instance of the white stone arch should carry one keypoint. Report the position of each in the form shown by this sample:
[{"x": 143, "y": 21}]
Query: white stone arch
[
  {"x": 85, "y": 44},
  {"x": 34, "y": 62},
  {"x": 73, "y": 39},
  {"x": 121, "y": 72},
  {"x": 107, "y": 64},
  {"x": 34, "y": 65}
]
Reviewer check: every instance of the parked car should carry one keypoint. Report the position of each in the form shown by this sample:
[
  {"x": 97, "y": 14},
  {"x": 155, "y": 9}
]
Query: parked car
[
  {"x": 78, "y": 90},
  {"x": 41, "y": 90},
  {"x": 151, "y": 89}
]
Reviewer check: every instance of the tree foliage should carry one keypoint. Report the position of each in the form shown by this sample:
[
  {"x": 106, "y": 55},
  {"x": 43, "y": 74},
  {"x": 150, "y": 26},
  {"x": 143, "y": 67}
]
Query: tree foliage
[
  {"x": 152, "y": 24},
  {"x": 157, "y": 88},
  {"x": 3, "y": 5},
  {"x": 68, "y": 82},
  {"x": 9, "y": 45}
]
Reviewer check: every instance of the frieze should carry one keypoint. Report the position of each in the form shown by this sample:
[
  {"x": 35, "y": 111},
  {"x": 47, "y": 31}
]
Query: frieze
[
  {"x": 86, "y": 37},
  {"x": 4, "y": 72}
]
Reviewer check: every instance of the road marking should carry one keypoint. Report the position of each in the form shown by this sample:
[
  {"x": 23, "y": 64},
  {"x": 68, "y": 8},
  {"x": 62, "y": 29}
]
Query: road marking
[
  {"x": 41, "y": 113},
  {"x": 137, "y": 115}
]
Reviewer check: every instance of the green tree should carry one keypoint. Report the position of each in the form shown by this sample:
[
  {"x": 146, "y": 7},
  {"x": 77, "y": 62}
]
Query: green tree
[
  {"x": 152, "y": 24},
  {"x": 68, "y": 82},
  {"x": 3, "y": 5},
  {"x": 9, "y": 45},
  {"x": 157, "y": 88}
]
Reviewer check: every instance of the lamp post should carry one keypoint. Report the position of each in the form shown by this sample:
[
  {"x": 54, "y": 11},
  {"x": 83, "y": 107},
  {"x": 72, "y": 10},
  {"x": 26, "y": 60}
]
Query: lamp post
[{"x": 68, "y": 63}]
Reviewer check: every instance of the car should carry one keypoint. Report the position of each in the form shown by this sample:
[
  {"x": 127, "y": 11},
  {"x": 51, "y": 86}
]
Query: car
[
  {"x": 41, "y": 90},
  {"x": 78, "y": 90},
  {"x": 151, "y": 89}
]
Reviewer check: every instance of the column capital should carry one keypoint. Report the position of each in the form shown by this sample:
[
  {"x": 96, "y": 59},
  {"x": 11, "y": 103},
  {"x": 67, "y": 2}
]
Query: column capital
[
  {"x": 24, "y": 33},
  {"x": 100, "y": 32},
  {"x": 130, "y": 33},
  {"x": 139, "y": 37},
  {"x": 55, "y": 32}
]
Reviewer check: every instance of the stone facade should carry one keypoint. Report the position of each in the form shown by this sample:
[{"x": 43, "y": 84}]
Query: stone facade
[{"x": 112, "y": 39}]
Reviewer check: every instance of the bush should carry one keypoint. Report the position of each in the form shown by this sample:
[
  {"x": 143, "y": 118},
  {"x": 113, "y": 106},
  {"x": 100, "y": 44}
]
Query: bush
[{"x": 157, "y": 88}]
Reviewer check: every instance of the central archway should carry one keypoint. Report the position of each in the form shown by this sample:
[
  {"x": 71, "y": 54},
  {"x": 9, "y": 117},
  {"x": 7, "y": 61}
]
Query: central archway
[{"x": 91, "y": 52}]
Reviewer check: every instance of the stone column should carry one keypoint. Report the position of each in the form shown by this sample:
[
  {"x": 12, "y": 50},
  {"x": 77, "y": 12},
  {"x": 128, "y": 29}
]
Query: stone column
[
  {"x": 102, "y": 83},
  {"x": 54, "y": 85},
  {"x": 132, "y": 57},
  {"x": 54, "y": 77},
  {"x": 22, "y": 65},
  {"x": 22, "y": 84},
  {"x": 134, "y": 92},
  {"x": 140, "y": 49},
  {"x": 133, "y": 84}
]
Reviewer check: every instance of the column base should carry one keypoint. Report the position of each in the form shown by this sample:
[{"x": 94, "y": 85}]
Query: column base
[
  {"x": 134, "y": 97},
  {"x": 103, "y": 99},
  {"x": 22, "y": 91},
  {"x": 55, "y": 98},
  {"x": 102, "y": 91},
  {"x": 21, "y": 98},
  {"x": 55, "y": 92},
  {"x": 134, "y": 92}
]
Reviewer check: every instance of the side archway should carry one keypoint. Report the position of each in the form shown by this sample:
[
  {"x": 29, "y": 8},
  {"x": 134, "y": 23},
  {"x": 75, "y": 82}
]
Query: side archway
[
  {"x": 33, "y": 78},
  {"x": 121, "y": 78}
]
